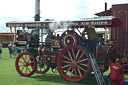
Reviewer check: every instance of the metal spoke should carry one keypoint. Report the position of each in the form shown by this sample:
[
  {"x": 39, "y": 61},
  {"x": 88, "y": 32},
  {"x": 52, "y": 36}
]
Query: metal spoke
[
  {"x": 21, "y": 65},
  {"x": 81, "y": 56},
  {"x": 66, "y": 66},
  {"x": 31, "y": 62},
  {"x": 71, "y": 72},
  {"x": 44, "y": 67},
  {"x": 32, "y": 66},
  {"x": 77, "y": 53},
  {"x": 79, "y": 72},
  {"x": 22, "y": 69},
  {"x": 38, "y": 67},
  {"x": 69, "y": 55},
  {"x": 68, "y": 69},
  {"x": 66, "y": 61},
  {"x": 81, "y": 68},
  {"x": 66, "y": 57},
  {"x": 21, "y": 62},
  {"x": 82, "y": 60},
  {"x": 28, "y": 69},
  {"x": 23, "y": 59},
  {"x": 83, "y": 64},
  {"x": 73, "y": 53},
  {"x": 75, "y": 73},
  {"x": 29, "y": 59}
]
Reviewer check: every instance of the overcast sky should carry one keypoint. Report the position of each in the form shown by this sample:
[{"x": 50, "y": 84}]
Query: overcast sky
[{"x": 24, "y": 10}]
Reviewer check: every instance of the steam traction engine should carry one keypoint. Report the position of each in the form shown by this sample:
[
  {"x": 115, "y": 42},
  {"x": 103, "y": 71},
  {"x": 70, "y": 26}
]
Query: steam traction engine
[{"x": 67, "y": 50}]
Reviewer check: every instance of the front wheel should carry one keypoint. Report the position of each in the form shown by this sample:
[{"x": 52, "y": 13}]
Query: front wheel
[
  {"x": 26, "y": 64},
  {"x": 74, "y": 63}
]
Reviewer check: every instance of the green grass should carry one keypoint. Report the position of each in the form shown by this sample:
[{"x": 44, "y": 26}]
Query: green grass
[{"x": 9, "y": 75}]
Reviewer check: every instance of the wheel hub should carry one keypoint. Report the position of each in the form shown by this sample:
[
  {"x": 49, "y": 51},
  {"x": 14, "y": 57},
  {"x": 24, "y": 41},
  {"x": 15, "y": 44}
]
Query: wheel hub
[
  {"x": 74, "y": 63},
  {"x": 26, "y": 64},
  {"x": 68, "y": 41}
]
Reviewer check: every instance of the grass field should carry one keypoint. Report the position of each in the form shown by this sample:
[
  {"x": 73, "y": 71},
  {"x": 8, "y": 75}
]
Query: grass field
[{"x": 9, "y": 75}]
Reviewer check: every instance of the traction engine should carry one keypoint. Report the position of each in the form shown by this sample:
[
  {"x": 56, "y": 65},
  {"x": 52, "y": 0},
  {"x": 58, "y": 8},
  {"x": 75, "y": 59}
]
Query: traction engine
[{"x": 66, "y": 51}]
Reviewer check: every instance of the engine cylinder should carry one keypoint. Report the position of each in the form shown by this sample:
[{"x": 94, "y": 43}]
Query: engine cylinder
[{"x": 44, "y": 50}]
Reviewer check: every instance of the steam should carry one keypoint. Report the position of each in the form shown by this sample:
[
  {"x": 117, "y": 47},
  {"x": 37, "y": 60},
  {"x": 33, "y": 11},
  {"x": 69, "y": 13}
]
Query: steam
[{"x": 59, "y": 25}]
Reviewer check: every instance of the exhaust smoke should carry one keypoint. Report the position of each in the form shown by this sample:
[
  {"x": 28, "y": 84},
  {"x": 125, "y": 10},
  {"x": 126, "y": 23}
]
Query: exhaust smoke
[{"x": 59, "y": 25}]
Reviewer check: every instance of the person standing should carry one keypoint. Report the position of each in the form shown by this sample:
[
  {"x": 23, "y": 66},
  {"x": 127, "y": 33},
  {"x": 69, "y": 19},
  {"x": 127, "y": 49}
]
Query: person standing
[
  {"x": 14, "y": 49},
  {"x": 92, "y": 39},
  {"x": 10, "y": 49},
  {"x": 116, "y": 72},
  {"x": 0, "y": 50},
  {"x": 18, "y": 50}
]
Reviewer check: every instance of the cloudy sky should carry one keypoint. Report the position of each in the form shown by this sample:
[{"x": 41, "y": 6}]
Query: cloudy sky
[{"x": 24, "y": 10}]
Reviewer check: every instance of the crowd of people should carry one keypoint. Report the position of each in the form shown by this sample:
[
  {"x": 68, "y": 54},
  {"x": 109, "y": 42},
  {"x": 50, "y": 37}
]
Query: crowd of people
[{"x": 13, "y": 50}]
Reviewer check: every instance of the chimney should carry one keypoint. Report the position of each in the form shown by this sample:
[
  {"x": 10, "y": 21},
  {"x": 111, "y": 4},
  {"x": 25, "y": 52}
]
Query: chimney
[
  {"x": 37, "y": 10},
  {"x": 105, "y": 6}
]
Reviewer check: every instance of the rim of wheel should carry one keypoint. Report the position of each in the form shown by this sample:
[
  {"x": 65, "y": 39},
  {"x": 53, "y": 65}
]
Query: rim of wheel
[
  {"x": 73, "y": 63},
  {"x": 43, "y": 69},
  {"x": 25, "y": 64}
]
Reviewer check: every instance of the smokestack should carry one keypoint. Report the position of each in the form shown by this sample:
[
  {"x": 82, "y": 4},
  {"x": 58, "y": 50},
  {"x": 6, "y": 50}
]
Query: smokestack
[
  {"x": 37, "y": 18},
  {"x": 105, "y": 6},
  {"x": 37, "y": 10}
]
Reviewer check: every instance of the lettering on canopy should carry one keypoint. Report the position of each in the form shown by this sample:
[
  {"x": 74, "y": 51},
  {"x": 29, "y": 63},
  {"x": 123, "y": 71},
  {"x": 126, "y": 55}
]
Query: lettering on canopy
[
  {"x": 24, "y": 25},
  {"x": 46, "y": 24},
  {"x": 82, "y": 23}
]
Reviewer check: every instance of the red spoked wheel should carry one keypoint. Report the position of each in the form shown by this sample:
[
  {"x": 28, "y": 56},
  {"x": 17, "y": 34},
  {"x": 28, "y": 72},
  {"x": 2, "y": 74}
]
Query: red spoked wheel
[
  {"x": 73, "y": 63},
  {"x": 43, "y": 68},
  {"x": 26, "y": 64}
]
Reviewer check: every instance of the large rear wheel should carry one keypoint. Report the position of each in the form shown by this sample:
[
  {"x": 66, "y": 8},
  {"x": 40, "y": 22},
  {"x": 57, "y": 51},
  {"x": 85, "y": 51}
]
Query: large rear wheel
[
  {"x": 74, "y": 63},
  {"x": 26, "y": 64}
]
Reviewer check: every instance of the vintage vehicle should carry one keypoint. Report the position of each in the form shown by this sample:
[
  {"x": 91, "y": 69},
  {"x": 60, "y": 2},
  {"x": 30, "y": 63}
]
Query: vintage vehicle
[
  {"x": 67, "y": 51},
  {"x": 5, "y": 38},
  {"x": 120, "y": 49}
]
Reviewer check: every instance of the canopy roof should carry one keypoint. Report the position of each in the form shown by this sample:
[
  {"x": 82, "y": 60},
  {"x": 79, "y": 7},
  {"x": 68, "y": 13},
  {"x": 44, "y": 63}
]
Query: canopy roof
[
  {"x": 104, "y": 13},
  {"x": 104, "y": 21}
]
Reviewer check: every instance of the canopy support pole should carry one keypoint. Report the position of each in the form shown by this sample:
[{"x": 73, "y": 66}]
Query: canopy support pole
[
  {"x": 106, "y": 35},
  {"x": 41, "y": 37}
]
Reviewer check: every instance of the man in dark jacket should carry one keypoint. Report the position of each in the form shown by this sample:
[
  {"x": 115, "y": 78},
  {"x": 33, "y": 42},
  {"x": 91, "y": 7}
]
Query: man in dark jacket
[{"x": 92, "y": 39}]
